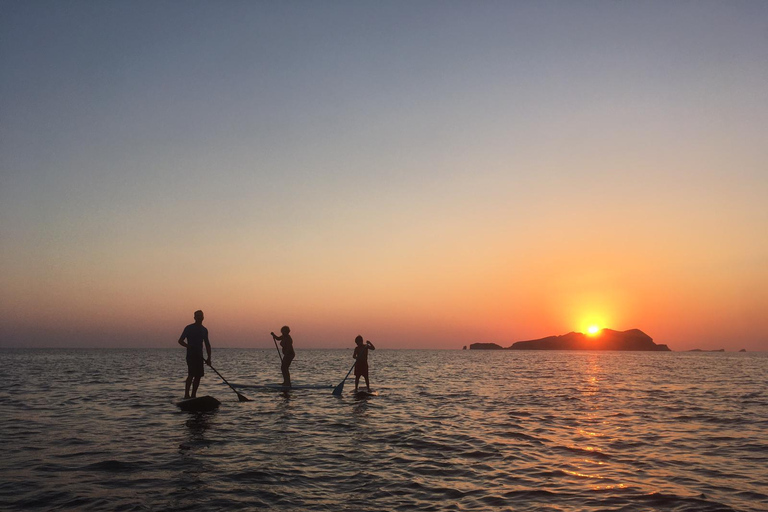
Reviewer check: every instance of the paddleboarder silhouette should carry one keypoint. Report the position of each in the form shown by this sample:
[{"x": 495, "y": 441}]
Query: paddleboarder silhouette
[
  {"x": 288, "y": 354},
  {"x": 196, "y": 335},
  {"x": 361, "y": 361}
]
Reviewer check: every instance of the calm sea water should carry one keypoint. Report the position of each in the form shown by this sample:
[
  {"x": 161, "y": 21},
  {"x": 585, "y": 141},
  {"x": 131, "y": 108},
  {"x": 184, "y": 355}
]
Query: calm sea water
[{"x": 449, "y": 430}]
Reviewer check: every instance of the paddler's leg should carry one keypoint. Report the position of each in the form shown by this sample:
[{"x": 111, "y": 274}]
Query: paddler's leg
[
  {"x": 195, "y": 384},
  {"x": 186, "y": 387},
  {"x": 284, "y": 371},
  {"x": 284, "y": 367}
]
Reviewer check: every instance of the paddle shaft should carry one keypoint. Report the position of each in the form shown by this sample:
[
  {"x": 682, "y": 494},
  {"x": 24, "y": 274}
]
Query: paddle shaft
[
  {"x": 350, "y": 370},
  {"x": 239, "y": 396},
  {"x": 278, "y": 349}
]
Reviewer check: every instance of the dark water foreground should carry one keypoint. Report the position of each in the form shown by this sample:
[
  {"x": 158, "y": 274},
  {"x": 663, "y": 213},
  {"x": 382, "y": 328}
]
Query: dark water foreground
[{"x": 450, "y": 430}]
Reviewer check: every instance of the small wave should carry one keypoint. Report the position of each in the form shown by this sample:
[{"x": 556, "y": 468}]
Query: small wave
[
  {"x": 755, "y": 448},
  {"x": 530, "y": 494},
  {"x": 191, "y": 445},
  {"x": 441, "y": 470},
  {"x": 627, "y": 445},
  {"x": 520, "y": 414},
  {"x": 41, "y": 500},
  {"x": 521, "y": 436},
  {"x": 684, "y": 504},
  {"x": 114, "y": 466},
  {"x": 591, "y": 452},
  {"x": 480, "y": 455},
  {"x": 495, "y": 501},
  {"x": 755, "y": 497},
  {"x": 709, "y": 418},
  {"x": 261, "y": 477},
  {"x": 451, "y": 493}
]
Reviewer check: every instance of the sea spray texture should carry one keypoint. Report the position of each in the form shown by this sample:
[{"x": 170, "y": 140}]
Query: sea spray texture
[{"x": 450, "y": 430}]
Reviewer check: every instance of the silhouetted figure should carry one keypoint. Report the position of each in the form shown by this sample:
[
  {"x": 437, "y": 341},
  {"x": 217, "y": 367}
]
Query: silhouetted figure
[
  {"x": 196, "y": 335},
  {"x": 288, "y": 354},
  {"x": 361, "y": 365}
]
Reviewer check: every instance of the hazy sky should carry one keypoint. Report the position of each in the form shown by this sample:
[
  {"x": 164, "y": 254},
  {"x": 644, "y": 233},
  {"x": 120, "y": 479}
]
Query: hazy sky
[{"x": 426, "y": 174}]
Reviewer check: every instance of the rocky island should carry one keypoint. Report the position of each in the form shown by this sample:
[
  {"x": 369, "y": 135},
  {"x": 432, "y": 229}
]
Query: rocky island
[
  {"x": 485, "y": 346},
  {"x": 606, "y": 339}
]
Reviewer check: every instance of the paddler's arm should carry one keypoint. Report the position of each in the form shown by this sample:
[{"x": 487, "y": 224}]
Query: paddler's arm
[
  {"x": 208, "y": 349},
  {"x": 182, "y": 342},
  {"x": 370, "y": 345}
]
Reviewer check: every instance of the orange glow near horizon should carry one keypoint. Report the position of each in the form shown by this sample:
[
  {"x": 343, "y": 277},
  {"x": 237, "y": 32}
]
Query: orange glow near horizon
[{"x": 593, "y": 330}]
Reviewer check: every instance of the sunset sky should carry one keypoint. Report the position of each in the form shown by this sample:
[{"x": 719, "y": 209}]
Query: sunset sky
[{"x": 426, "y": 174}]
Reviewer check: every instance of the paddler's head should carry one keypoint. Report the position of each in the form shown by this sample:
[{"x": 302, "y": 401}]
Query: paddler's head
[
  {"x": 359, "y": 340},
  {"x": 198, "y": 316},
  {"x": 285, "y": 330}
]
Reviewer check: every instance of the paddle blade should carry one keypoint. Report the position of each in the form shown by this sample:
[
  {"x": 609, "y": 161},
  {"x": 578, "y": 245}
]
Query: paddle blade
[
  {"x": 340, "y": 387},
  {"x": 243, "y": 398}
]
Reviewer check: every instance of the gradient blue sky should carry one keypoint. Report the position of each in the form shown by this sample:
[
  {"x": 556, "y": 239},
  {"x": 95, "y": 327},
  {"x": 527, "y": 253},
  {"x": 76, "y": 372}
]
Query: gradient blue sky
[{"x": 428, "y": 174}]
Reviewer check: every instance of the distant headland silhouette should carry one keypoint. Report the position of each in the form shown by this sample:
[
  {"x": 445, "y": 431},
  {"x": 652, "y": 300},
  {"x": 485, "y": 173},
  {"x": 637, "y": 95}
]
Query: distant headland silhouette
[{"x": 606, "y": 339}]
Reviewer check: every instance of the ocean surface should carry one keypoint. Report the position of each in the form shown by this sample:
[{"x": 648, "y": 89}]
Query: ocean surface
[{"x": 448, "y": 430}]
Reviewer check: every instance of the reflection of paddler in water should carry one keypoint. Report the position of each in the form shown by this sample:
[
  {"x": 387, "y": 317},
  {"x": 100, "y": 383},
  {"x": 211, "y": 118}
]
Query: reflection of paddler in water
[
  {"x": 361, "y": 365},
  {"x": 288, "y": 354},
  {"x": 196, "y": 335}
]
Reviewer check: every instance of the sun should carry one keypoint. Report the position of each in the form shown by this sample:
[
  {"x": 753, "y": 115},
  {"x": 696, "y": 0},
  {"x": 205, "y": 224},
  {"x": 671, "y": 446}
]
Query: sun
[{"x": 593, "y": 329}]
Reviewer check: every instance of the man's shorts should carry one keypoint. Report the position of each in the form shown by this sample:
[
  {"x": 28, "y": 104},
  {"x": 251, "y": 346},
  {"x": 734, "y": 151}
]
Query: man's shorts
[
  {"x": 195, "y": 366},
  {"x": 361, "y": 369}
]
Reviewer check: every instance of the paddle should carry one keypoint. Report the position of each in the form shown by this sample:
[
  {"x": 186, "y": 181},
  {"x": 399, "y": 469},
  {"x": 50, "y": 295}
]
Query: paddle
[
  {"x": 278, "y": 348},
  {"x": 239, "y": 396},
  {"x": 338, "y": 389}
]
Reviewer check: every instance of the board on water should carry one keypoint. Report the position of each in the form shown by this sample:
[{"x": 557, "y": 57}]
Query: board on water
[
  {"x": 199, "y": 404},
  {"x": 365, "y": 394},
  {"x": 299, "y": 386},
  {"x": 284, "y": 388}
]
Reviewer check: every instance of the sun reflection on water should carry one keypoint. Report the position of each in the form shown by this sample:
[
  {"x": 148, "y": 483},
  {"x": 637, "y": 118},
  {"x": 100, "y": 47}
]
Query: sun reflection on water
[{"x": 590, "y": 434}]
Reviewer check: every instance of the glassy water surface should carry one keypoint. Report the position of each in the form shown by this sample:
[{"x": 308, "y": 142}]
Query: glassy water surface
[{"x": 449, "y": 430}]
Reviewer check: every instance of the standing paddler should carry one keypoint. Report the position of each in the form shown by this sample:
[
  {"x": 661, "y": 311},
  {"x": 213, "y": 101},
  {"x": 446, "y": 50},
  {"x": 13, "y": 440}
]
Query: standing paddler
[
  {"x": 196, "y": 335},
  {"x": 361, "y": 361},
  {"x": 288, "y": 354}
]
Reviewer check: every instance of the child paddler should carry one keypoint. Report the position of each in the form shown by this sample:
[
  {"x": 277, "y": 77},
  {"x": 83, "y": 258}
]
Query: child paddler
[{"x": 361, "y": 361}]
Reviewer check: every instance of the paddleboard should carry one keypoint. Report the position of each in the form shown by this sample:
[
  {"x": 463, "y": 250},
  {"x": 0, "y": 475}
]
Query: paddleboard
[
  {"x": 365, "y": 394},
  {"x": 283, "y": 388},
  {"x": 199, "y": 404}
]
